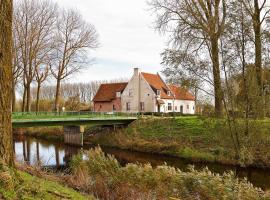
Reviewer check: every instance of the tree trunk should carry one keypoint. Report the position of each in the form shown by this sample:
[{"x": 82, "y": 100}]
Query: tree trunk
[
  {"x": 6, "y": 142},
  {"x": 24, "y": 98},
  {"x": 13, "y": 97},
  {"x": 258, "y": 44},
  {"x": 216, "y": 75},
  {"x": 37, "y": 97},
  {"x": 28, "y": 99},
  {"x": 260, "y": 112},
  {"x": 57, "y": 95}
]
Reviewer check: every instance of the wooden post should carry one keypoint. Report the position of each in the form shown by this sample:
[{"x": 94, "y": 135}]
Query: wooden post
[{"x": 73, "y": 135}]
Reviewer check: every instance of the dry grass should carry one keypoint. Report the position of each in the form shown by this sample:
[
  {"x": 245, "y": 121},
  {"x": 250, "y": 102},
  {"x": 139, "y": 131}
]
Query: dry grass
[{"x": 104, "y": 177}]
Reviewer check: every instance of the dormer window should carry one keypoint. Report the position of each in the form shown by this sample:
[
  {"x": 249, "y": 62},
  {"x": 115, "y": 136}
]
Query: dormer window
[
  {"x": 158, "y": 92},
  {"x": 118, "y": 94},
  {"x": 169, "y": 93}
]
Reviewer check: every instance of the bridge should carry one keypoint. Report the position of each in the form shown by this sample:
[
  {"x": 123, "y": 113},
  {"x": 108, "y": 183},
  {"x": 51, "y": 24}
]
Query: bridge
[{"x": 73, "y": 122}]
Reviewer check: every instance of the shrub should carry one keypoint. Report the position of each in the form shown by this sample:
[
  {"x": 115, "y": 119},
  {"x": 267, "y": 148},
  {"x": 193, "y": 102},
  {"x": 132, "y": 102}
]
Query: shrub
[{"x": 108, "y": 180}]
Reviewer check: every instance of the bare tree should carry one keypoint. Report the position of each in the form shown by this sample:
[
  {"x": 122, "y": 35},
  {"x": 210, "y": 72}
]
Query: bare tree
[
  {"x": 42, "y": 73},
  {"x": 33, "y": 26},
  {"x": 17, "y": 70},
  {"x": 259, "y": 11},
  {"x": 195, "y": 27},
  {"x": 6, "y": 142},
  {"x": 73, "y": 39}
]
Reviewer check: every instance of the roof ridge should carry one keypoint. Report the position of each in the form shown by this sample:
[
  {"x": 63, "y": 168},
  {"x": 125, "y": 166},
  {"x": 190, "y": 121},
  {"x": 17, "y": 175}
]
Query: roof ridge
[{"x": 113, "y": 83}]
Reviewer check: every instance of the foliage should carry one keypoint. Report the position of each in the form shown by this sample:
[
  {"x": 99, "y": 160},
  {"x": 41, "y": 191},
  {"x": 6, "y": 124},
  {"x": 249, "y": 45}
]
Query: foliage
[{"x": 108, "y": 180}]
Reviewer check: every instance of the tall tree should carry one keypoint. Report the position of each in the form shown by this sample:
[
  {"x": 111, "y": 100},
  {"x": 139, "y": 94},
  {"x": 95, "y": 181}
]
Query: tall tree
[
  {"x": 195, "y": 26},
  {"x": 73, "y": 39},
  {"x": 6, "y": 146},
  {"x": 33, "y": 28},
  {"x": 259, "y": 11}
]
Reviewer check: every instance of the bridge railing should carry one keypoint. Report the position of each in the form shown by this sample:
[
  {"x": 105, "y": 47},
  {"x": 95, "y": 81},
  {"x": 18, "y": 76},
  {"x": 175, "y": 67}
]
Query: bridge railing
[{"x": 77, "y": 115}]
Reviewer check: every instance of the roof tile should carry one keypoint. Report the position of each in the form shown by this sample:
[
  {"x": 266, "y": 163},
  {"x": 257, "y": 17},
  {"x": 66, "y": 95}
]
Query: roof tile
[
  {"x": 107, "y": 92},
  {"x": 181, "y": 93}
]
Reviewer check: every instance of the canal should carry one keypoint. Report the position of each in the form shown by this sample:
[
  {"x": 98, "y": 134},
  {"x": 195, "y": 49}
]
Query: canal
[{"x": 56, "y": 155}]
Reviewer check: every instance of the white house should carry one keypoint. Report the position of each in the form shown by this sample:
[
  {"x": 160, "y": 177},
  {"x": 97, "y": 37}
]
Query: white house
[{"x": 147, "y": 92}]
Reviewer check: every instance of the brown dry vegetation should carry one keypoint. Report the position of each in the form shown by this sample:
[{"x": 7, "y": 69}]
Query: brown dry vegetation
[{"x": 104, "y": 177}]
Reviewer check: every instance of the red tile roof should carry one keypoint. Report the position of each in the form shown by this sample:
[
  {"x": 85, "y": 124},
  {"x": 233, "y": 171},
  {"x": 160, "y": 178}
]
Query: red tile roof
[
  {"x": 155, "y": 81},
  {"x": 181, "y": 93},
  {"x": 107, "y": 92}
]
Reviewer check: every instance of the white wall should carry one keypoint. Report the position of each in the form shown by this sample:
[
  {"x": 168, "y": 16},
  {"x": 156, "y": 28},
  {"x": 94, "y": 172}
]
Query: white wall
[
  {"x": 142, "y": 92},
  {"x": 188, "y": 106}
]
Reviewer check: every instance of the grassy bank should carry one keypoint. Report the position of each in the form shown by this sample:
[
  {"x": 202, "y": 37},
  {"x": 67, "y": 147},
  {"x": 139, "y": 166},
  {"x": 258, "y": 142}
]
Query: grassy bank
[
  {"x": 16, "y": 184},
  {"x": 193, "y": 138},
  {"x": 55, "y": 134},
  {"x": 107, "y": 179}
]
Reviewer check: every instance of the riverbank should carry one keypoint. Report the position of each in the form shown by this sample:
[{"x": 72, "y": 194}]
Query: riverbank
[
  {"x": 194, "y": 138},
  {"x": 18, "y": 184},
  {"x": 103, "y": 176}
]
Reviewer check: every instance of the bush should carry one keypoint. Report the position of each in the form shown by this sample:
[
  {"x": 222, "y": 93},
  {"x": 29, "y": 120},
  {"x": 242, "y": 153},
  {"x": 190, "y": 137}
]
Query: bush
[{"x": 108, "y": 180}]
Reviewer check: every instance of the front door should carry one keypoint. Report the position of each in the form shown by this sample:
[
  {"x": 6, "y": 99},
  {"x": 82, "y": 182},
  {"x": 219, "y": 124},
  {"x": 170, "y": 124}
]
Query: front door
[
  {"x": 158, "y": 108},
  {"x": 181, "y": 109}
]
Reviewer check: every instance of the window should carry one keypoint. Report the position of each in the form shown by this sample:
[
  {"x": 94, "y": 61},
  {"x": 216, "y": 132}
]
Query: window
[
  {"x": 187, "y": 106},
  {"x": 181, "y": 109},
  {"x": 114, "y": 108},
  {"x": 130, "y": 92},
  {"x": 100, "y": 106},
  {"x": 118, "y": 94},
  {"x": 128, "y": 106},
  {"x": 169, "y": 93},
  {"x": 193, "y": 107},
  {"x": 142, "y": 106},
  {"x": 158, "y": 92},
  {"x": 175, "y": 108},
  {"x": 169, "y": 106}
]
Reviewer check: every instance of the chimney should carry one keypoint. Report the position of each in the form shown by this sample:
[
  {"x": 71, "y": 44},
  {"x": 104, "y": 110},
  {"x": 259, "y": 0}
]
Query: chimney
[{"x": 136, "y": 71}]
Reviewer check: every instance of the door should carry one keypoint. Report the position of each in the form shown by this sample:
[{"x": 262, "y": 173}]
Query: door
[{"x": 181, "y": 109}]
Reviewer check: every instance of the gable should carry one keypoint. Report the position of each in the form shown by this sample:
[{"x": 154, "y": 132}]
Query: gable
[{"x": 156, "y": 83}]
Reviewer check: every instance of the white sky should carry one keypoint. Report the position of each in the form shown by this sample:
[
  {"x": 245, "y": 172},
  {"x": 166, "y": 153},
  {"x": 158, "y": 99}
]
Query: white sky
[{"x": 127, "y": 38}]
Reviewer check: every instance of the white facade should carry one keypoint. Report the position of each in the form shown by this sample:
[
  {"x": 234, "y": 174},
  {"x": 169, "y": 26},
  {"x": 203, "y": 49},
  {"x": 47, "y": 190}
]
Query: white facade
[
  {"x": 138, "y": 92},
  {"x": 139, "y": 96}
]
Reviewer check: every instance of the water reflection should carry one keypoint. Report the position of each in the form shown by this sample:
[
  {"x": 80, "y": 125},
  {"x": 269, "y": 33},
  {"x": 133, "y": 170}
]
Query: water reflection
[{"x": 49, "y": 154}]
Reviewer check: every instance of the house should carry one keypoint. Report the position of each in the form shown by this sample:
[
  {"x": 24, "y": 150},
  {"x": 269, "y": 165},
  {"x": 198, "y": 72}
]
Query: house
[
  {"x": 108, "y": 97},
  {"x": 147, "y": 92},
  {"x": 144, "y": 92}
]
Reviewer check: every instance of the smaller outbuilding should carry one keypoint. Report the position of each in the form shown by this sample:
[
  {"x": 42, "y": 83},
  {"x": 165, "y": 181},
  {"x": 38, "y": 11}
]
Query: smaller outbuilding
[{"x": 108, "y": 97}]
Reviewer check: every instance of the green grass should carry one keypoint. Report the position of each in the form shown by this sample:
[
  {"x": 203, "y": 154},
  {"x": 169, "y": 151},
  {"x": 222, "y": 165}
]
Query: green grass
[
  {"x": 199, "y": 139},
  {"x": 31, "y": 187}
]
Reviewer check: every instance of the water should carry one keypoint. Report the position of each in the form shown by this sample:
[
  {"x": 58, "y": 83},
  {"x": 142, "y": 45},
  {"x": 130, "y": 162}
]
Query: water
[{"x": 56, "y": 155}]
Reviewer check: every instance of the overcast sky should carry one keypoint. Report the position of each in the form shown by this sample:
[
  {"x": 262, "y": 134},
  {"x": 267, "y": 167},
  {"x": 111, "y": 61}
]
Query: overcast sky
[{"x": 127, "y": 38}]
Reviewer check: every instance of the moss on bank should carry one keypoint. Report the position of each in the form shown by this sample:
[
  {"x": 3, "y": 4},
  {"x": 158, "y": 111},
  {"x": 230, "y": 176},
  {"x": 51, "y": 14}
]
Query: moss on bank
[
  {"x": 30, "y": 187},
  {"x": 15, "y": 184}
]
